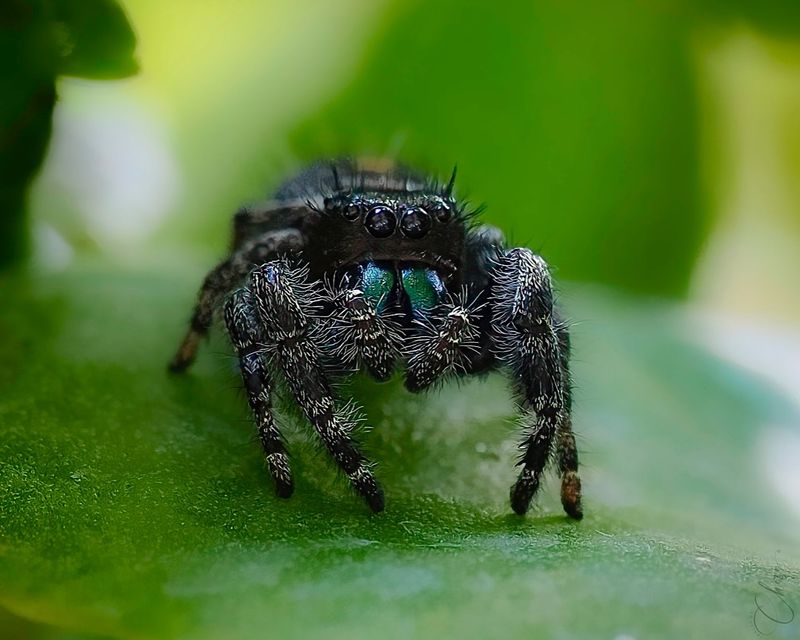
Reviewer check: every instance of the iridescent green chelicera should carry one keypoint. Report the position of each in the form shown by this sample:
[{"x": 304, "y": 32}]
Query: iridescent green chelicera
[
  {"x": 377, "y": 283},
  {"x": 423, "y": 287}
]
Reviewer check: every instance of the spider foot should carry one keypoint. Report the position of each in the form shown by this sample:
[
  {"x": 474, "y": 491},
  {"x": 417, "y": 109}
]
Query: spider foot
[{"x": 571, "y": 495}]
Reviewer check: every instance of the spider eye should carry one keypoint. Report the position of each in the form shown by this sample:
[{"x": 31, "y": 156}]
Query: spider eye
[
  {"x": 329, "y": 204},
  {"x": 415, "y": 222},
  {"x": 351, "y": 211},
  {"x": 441, "y": 211},
  {"x": 380, "y": 221}
]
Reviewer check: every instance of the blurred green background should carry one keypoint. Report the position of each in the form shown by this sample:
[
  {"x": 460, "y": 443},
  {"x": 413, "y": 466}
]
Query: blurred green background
[{"x": 650, "y": 151}]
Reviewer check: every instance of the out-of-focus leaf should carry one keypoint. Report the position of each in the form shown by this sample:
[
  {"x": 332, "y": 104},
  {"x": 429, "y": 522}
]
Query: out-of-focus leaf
[
  {"x": 778, "y": 17},
  {"x": 28, "y": 62},
  {"x": 39, "y": 40},
  {"x": 134, "y": 504},
  {"x": 576, "y": 123},
  {"x": 98, "y": 41}
]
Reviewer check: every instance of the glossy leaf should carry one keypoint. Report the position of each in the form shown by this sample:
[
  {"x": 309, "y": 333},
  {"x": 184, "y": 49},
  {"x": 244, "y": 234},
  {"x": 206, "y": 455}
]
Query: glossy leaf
[
  {"x": 99, "y": 42},
  {"x": 40, "y": 40},
  {"x": 574, "y": 123},
  {"x": 135, "y": 504}
]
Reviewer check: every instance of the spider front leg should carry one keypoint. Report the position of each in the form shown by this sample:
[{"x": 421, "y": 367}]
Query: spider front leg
[
  {"x": 442, "y": 344},
  {"x": 284, "y": 301},
  {"x": 356, "y": 331},
  {"x": 245, "y": 334},
  {"x": 526, "y": 340},
  {"x": 222, "y": 279},
  {"x": 254, "y": 221}
]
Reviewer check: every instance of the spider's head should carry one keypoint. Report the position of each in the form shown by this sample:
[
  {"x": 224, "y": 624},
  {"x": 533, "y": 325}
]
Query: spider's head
[
  {"x": 389, "y": 215},
  {"x": 412, "y": 215},
  {"x": 422, "y": 226}
]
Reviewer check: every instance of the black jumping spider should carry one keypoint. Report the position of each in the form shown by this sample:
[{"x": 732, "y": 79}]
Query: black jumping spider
[{"x": 353, "y": 266}]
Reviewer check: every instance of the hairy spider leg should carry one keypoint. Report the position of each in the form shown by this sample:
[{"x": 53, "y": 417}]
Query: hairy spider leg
[
  {"x": 441, "y": 344},
  {"x": 438, "y": 328},
  {"x": 281, "y": 294},
  {"x": 526, "y": 342},
  {"x": 245, "y": 333},
  {"x": 222, "y": 279},
  {"x": 254, "y": 221},
  {"x": 358, "y": 331},
  {"x": 566, "y": 451},
  {"x": 483, "y": 246}
]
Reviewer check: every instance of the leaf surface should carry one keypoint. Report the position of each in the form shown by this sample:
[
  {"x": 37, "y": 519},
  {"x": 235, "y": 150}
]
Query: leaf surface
[{"x": 135, "y": 504}]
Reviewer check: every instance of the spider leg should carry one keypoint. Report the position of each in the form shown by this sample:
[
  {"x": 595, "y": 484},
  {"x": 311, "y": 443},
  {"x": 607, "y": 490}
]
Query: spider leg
[
  {"x": 281, "y": 295},
  {"x": 483, "y": 246},
  {"x": 442, "y": 345},
  {"x": 245, "y": 333},
  {"x": 225, "y": 276},
  {"x": 255, "y": 220},
  {"x": 526, "y": 342},
  {"x": 358, "y": 334},
  {"x": 566, "y": 451}
]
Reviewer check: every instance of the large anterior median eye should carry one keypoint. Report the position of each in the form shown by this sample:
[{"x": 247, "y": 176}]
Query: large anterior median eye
[
  {"x": 377, "y": 282},
  {"x": 415, "y": 223},
  {"x": 423, "y": 287},
  {"x": 380, "y": 221}
]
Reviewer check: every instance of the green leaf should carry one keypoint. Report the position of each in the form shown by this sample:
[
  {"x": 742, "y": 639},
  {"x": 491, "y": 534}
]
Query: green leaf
[
  {"x": 39, "y": 40},
  {"x": 135, "y": 504},
  {"x": 575, "y": 122},
  {"x": 28, "y": 61},
  {"x": 97, "y": 39}
]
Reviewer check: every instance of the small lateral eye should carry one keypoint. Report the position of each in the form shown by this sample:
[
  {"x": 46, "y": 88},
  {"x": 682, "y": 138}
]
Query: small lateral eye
[
  {"x": 329, "y": 204},
  {"x": 441, "y": 211},
  {"x": 351, "y": 211},
  {"x": 380, "y": 221},
  {"x": 415, "y": 222}
]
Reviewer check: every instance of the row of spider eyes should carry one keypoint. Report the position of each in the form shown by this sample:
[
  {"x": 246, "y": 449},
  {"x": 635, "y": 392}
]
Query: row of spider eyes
[{"x": 380, "y": 220}]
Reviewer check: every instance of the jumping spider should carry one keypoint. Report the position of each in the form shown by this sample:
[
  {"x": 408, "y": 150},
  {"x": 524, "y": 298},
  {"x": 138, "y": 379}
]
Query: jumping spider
[{"x": 351, "y": 267}]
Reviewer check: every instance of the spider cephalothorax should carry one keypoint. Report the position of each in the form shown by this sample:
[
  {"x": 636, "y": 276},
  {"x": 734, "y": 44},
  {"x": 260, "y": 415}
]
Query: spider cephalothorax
[{"x": 353, "y": 267}]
